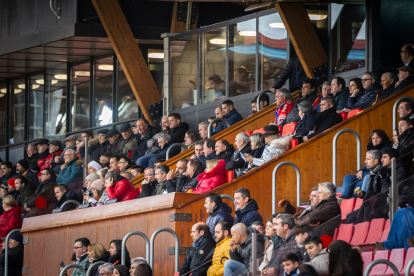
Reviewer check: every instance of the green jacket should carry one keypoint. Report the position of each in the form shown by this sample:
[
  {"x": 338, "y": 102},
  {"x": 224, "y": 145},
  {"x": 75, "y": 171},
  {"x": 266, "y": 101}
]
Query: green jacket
[
  {"x": 71, "y": 172},
  {"x": 25, "y": 194},
  {"x": 11, "y": 175},
  {"x": 129, "y": 144},
  {"x": 341, "y": 98},
  {"x": 82, "y": 262}
]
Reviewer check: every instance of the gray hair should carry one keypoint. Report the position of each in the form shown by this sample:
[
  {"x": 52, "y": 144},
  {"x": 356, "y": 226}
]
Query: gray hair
[
  {"x": 108, "y": 267},
  {"x": 284, "y": 92},
  {"x": 243, "y": 136},
  {"x": 376, "y": 154},
  {"x": 70, "y": 151},
  {"x": 391, "y": 76},
  {"x": 305, "y": 106},
  {"x": 112, "y": 174},
  {"x": 258, "y": 139},
  {"x": 139, "y": 260},
  {"x": 326, "y": 83},
  {"x": 371, "y": 74},
  {"x": 286, "y": 219},
  {"x": 165, "y": 137},
  {"x": 328, "y": 187},
  {"x": 204, "y": 124}
]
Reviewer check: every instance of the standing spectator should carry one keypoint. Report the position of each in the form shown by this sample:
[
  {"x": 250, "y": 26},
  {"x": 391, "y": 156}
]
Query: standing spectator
[
  {"x": 243, "y": 147},
  {"x": 224, "y": 150},
  {"x": 7, "y": 171},
  {"x": 72, "y": 171},
  {"x": 218, "y": 210},
  {"x": 344, "y": 260},
  {"x": 172, "y": 178},
  {"x": 62, "y": 195},
  {"x": 407, "y": 55},
  {"x": 149, "y": 184},
  {"x": 115, "y": 247},
  {"x": 116, "y": 142},
  {"x": 388, "y": 81},
  {"x": 145, "y": 132},
  {"x": 406, "y": 142},
  {"x": 246, "y": 208},
  {"x": 46, "y": 190},
  {"x": 25, "y": 190},
  {"x": 221, "y": 253},
  {"x": 15, "y": 258},
  {"x": 405, "y": 109},
  {"x": 101, "y": 147},
  {"x": 212, "y": 177},
  {"x": 294, "y": 72},
  {"x": 118, "y": 187},
  {"x": 188, "y": 180},
  {"x": 129, "y": 141},
  {"x": 43, "y": 150},
  {"x": 22, "y": 168},
  {"x": 319, "y": 256},
  {"x": 209, "y": 151},
  {"x": 270, "y": 240},
  {"x": 203, "y": 130},
  {"x": 307, "y": 120},
  {"x": 190, "y": 138},
  {"x": 340, "y": 92},
  {"x": 177, "y": 128},
  {"x": 32, "y": 158},
  {"x": 230, "y": 114},
  {"x": 198, "y": 259},
  {"x": 12, "y": 216}
]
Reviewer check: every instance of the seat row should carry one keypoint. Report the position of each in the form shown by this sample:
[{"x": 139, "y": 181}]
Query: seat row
[{"x": 398, "y": 257}]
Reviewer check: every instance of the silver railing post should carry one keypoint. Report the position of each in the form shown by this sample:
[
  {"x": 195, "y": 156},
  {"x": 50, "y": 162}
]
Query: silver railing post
[
  {"x": 85, "y": 164},
  {"x": 88, "y": 273},
  {"x": 6, "y": 251},
  {"x": 183, "y": 148},
  {"x": 381, "y": 261},
  {"x": 394, "y": 110},
  {"x": 393, "y": 199},
  {"x": 253, "y": 265},
  {"x": 69, "y": 201},
  {"x": 189, "y": 12},
  {"x": 334, "y": 154},
  {"x": 258, "y": 99},
  {"x": 408, "y": 268},
  {"x": 62, "y": 272},
  {"x": 124, "y": 240},
  {"x": 231, "y": 198},
  {"x": 176, "y": 249},
  {"x": 298, "y": 193},
  {"x": 210, "y": 126}
]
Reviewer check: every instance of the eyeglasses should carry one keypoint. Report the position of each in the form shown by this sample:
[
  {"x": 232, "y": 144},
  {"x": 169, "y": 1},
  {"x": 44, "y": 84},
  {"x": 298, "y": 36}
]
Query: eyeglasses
[
  {"x": 149, "y": 174},
  {"x": 364, "y": 80},
  {"x": 122, "y": 162},
  {"x": 44, "y": 174}
]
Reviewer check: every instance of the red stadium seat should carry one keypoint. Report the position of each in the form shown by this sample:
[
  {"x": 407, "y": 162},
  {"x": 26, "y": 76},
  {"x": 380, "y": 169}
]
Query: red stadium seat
[
  {"x": 344, "y": 115},
  {"x": 397, "y": 257},
  {"x": 345, "y": 232},
  {"x": 380, "y": 268},
  {"x": 408, "y": 257},
  {"x": 367, "y": 258},
  {"x": 347, "y": 205},
  {"x": 249, "y": 133},
  {"x": 360, "y": 233},
  {"x": 260, "y": 130},
  {"x": 375, "y": 230},
  {"x": 335, "y": 237},
  {"x": 354, "y": 112},
  {"x": 384, "y": 235},
  {"x": 229, "y": 176},
  {"x": 130, "y": 154},
  {"x": 288, "y": 129},
  {"x": 293, "y": 143},
  {"x": 358, "y": 203},
  {"x": 326, "y": 240},
  {"x": 280, "y": 128}
]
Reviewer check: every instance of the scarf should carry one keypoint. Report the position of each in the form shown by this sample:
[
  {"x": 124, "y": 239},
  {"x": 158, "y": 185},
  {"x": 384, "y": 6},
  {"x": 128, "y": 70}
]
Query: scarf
[{"x": 281, "y": 113}]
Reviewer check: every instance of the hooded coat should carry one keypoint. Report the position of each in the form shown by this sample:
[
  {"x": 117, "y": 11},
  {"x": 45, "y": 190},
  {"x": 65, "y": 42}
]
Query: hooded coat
[
  {"x": 365, "y": 100},
  {"x": 46, "y": 189},
  {"x": 142, "y": 146},
  {"x": 15, "y": 261},
  {"x": 243, "y": 253},
  {"x": 10, "y": 220},
  {"x": 177, "y": 133},
  {"x": 212, "y": 179},
  {"x": 221, "y": 251},
  {"x": 71, "y": 172},
  {"x": 122, "y": 190},
  {"x": 227, "y": 154},
  {"x": 325, "y": 120},
  {"x": 248, "y": 214},
  {"x": 184, "y": 183},
  {"x": 220, "y": 213}
]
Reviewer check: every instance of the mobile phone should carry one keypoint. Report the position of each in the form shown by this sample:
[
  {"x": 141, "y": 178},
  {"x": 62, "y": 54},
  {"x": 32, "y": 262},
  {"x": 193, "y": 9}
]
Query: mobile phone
[
  {"x": 62, "y": 264},
  {"x": 246, "y": 155}
]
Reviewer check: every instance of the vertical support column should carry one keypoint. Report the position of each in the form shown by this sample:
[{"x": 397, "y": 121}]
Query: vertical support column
[
  {"x": 394, "y": 190},
  {"x": 373, "y": 25},
  {"x": 68, "y": 97},
  {"x": 167, "y": 88}
]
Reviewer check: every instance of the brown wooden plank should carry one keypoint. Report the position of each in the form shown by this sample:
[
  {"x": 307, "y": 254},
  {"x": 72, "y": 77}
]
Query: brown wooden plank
[
  {"x": 178, "y": 26},
  {"x": 128, "y": 53}
]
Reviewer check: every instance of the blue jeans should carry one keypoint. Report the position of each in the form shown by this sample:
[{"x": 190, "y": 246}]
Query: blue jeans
[
  {"x": 365, "y": 183},
  {"x": 401, "y": 228},
  {"x": 143, "y": 161},
  {"x": 234, "y": 268},
  {"x": 349, "y": 185}
]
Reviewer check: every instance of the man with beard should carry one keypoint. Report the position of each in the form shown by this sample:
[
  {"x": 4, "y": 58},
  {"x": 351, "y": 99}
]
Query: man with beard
[
  {"x": 43, "y": 150},
  {"x": 223, "y": 238},
  {"x": 172, "y": 178},
  {"x": 7, "y": 172},
  {"x": 22, "y": 168},
  {"x": 25, "y": 189}
]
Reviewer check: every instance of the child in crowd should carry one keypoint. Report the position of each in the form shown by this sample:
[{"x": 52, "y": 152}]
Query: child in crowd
[
  {"x": 290, "y": 263},
  {"x": 306, "y": 270}
]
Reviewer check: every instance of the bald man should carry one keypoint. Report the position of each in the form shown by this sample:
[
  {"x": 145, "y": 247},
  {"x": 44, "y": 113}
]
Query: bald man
[
  {"x": 198, "y": 259},
  {"x": 241, "y": 249}
]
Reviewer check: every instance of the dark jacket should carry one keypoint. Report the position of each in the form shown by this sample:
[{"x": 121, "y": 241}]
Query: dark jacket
[
  {"x": 116, "y": 258},
  {"x": 33, "y": 162},
  {"x": 97, "y": 150},
  {"x": 23, "y": 196},
  {"x": 184, "y": 183},
  {"x": 117, "y": 147},
  {"x": 6, "y": 178},
  {"x": 170, "y": 185},
  {"x": 177, "y": 134},
  {"x": 256, "y": 153},
  {"x": 306, "y": 124},
  {"x": 293, "y": 115},
  {"x": 294, "y": 72},
  {"x": 248, "y": 214},
  {"x": 406, "y": 82},
  {"x": 46, "y": 189},
  {"x": 94, "y": 271},
  {"x": 69, "y": 195},
  {"x": 92, "y": 143},
  {"x": 243, "y": 253},
  {"x": 365, "y": 100},
  {"x": 325, "y": 120},
  {"x": 232, "y": 117},
  {"x": 162, "y": 154},
  {"x": 406, "y": 147},
  {"x": 227, "y": 154},
  {"x": 198, "y": 259},
  {"x": 211, "y": 156},
  {"x": 15, "y": 261},
  {"x": 341, "y": 98},
  {"x": 381, "y": 182},
  {"x": 141, "y": 147},
  {"x": 387, "y": 92},
  {"x": 237, "y": 160},
  {"x": 33, "y": 176},
  {"x": 220, "y": 213},
  {"x": 148, "y": 189}
]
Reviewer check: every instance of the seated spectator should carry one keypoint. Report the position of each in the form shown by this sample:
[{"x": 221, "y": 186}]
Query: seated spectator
[
  {"x": 25, "y": 190},
  {"x": 306, "y": 270},
  {"x": 406, "y": 142},
  {"x": 121, "y": 270},
  {"x": 177, "y": 128},
  {"x": 129, "y": 141},
  {"x": 344, "y": 259},
  {"x": 80, "y": 143},
  {"x": 165, "y": 124},
  {"x": 241, "y": 249},
  {"x": 70, "y": 143},
  {"x": 72, "y": 171},
  {"x": 299, "y": 212},
  {"x": 55, "y": 150},
  {"x": 97, "y": 188},
  {"x": 407, "y": 55},
  {"x": 114, "y": 162},
  {"x": 327, "y": 118},
  {"x": 22, "y": 168},
  {"x": 319, "y": 256},
  {"x": 135, "y": 263},
  {"x": 270, "y": 239},
  {"x": 93, "y": 167},
  {"x": 159, "y": 162},
  {"x": 264, "y": 101},
  {"x": 326, "y": 92},
  {"x": 15, "y": 255},
  {"x": 198, "y": 150},
  {"x": 11, "y": 188},
  {"x": 190, "y": 138},
  {"x": 218, "y": 210},
  {"x": 254, "y": 105},
  {"x": 257, "y": 144},
  {"x": 118, "y": 187},
  {"x": 46, "y": 190},
  {"x": 143, "y": 270},
  {"x": 136, "y": 170},
  {"x": 164, "y": 144},
  {"x": 12, "y": 216},
  {"x": 96, "y": 253},
  {"x": 340, "y": 92},
  {"x": 406, "y": 78},
  {"x": 104, "y": 160},
  {"x": 218, "y": 85},
  {"x": 161, "y": 177},
  {"x": 242, "y": 143},
  {"x": 116, "y": 143},
  {"x": 406, "y": 109},
  {"x": 388, "y": 81},
  {"x": 115, "y": 247},
  {"x": 213, "y": 176},
  {"x": 63, "y": 194},
  {"x": 145, "y": 133},
  {"x": 172, "y": 177},
  {"x": 325, "y": 212},
  {"x": 43, "y": 150},
  {"x": 307, "y": 120},
  {"x": 224, "y": 150},
  {"x": 32, "y": 158},
  {"x": 230, "y": 114},
  {"x": 106, "y": 269},
  {"x": 219, "y": 114},
  {"x": 247, "y": 207},
  {"x": 124, "y": 164},
  {"x": 188, "y": 180},
  {"x": 89, "y": 179},
  {"x": 209, "y": 151},
  {"x": 259, "y": 227},
  {"x": 221, "y": 252},
  {"x": 149, "y": 184},
  {"x": 198, "y": 259},
  {"x": 7, "y": 171},
  {"x": 362, "y": 92},
  {"x": 203, "y": 130},
  {"x": 96, "y": 150},
  {"x": 290, "y": 264},
  {"x": 127, "y": 175}
]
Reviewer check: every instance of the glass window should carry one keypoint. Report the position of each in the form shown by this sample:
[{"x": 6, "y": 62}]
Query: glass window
[
  {"x": 156, "y": 66},
  {"x": 36, "y": 107},
  {"x": 55, "y": 101},
  {"x": 348, "y": 37},
  {"x": 80, "y": 96},
  {"x": 127, "y": 103},
  {"x": 16, "y": 154},
  {"x": 103, "y": 91},
  {"x": 242, "y": 58},
  {"x": 3, "y": 114},
  {"x": 18, "y": 110},
  {"x": 272, "y": 50},
  {"x": 3, "y": 154}
]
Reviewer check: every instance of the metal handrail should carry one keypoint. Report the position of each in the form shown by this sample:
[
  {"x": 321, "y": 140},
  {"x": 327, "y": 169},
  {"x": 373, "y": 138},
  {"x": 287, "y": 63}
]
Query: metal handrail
[
  {"x": 6, "y": 251},
  {"x": 183, "y": 148},
  {"x": 394, "y": 110},
  {"x": 298, "y": 193},
  {"x": 210, "y": 125},
  {"x": 408, "y": 268},
  {"x": 253, "y": 266},
  {"x": 258, "y": 99},
  {"x": 85, "y": 164},
  {"x": 123, "y": 248},
  {"x": 334, "y": 155},
  {"x": 62, "y": 272},
  {"x": 393, "y": 198},
  {"x": 70, "y": 201},
  {"x": 55, "y": 11},
  {"x": 231, "y": 198},
  {"x": 88, "y": 273},
  {"x": 381, "y": 261},
  {"x": 176, "y": 249}
]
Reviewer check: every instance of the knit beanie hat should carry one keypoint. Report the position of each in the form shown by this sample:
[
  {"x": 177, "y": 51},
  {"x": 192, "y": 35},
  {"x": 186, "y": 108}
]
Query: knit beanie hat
[
  {"x": 98, "y": 184},
  {"x": 11, "y": 182},
  {"x": 92, "y": 177},
  {"x": 95, "y": 165},
  {"x": 24, "y": 164}
]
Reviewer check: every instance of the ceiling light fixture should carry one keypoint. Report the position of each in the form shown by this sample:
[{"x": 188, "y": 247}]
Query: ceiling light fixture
[
  {"x": 21, "y": 86},
  {"x": 277, "y": 25},
  {"x": 156, "y": 55},
  {"x": 217, "y": 41},
  {"x": 17, "y": 91},
  {"x": 3, "y": 90},
  {"x": 61, "y": 77},
  {"x": 106, "y": 67},
  {"x": 35, "y": 86},
  {"x": 42, "y": 81},
  {"x": 82, "y": 73},
  {"x": 317, "y": 17},
  {"x": 247, "y": 33}
]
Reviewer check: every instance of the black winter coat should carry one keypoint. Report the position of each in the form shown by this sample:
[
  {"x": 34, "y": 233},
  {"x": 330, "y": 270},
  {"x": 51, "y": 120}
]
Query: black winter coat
[
  {"x": 148, "y": 189},
  {"x": 97, "y": 150},
  {"x": 184, "y": 183},
  {"x": 227, "y": 154},
  {"x": 220, "y": 213},
  {"x": 142, "y": 146},
  {"x": 243, "y": 253},
  {"x": 69, "y": 195},
  {"x": 198, "y": 260},
  {"x": 94, "y": 271},
  {"x": 406, "y": 82},
  {"x": 306, "y": 124},
  {"x": 25, "y": 194},
  {"x": 116, "y": 258},
  {"x": 325, "y": 120},
  {"x": 33, "y": 162},
  {"x": 406, "y": 147},
  {"x": 381, "y": 182},
  {"x": 177, "y": 134},
  {"x": 237, "y": 160},
  {"x": 293, "y": 115},
  {"x": 117, "y": 148},
  {"x": 248, "y": 214},
  {"x": 294, "y": 72},
  {"x": 15, "y": 261}
]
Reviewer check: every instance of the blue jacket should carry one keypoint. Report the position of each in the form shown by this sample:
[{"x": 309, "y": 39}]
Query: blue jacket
[
  {"x": 142, "y": 146},
  {"x": 294, "y": 272},
  {"x": 220, "y": 213},
  {"x": 365, "y": 100},
  {"x": 162, "y": 154},
  {"x": 71, "y": 172},
  {"x": 211, "y": 156},
  {"x": 232, "y": 117},
  {"x": 248, "y": 214},
  {"x": 306, "y": 124}
]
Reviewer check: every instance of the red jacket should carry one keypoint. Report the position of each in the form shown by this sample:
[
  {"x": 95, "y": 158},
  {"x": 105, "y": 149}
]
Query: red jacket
[
  {"x": 49, "y": 158},
  {"x": 212, "y": 179},
  {"x": 10, "y": 220},
  {"x": 123, "y": 190}
]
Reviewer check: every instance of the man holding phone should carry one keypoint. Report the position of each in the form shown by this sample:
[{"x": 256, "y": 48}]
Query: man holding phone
[{"x": 238, "y": 159}]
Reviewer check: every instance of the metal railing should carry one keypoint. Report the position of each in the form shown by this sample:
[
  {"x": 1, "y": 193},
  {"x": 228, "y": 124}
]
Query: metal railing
[
  {"x": 393, "y": 198},
  {"x": 85, "y": 164},
  {"x": 381, "y": 261},
  {"x": 176, "y": 249},
  {"x": 394, "y": 110},
  {"x": 285, "y": 163},
  {"x": 124, "y": 240},
  {"x": 231, "y": 198},
  {"x": 57, "y": 210},
  {"x": 334, "y": 154},
  {"x": 258, "y": 99},
  {"x": 253, "y": 265},
  {"x": 210, "y": 126},
  {"x": 408, "y": 268},
  {"x": 183, "y": 148},
  {"x": 88, "y": 273},
  {"x": 6, "y": 251},
  {"x": 62, "y": 272}
]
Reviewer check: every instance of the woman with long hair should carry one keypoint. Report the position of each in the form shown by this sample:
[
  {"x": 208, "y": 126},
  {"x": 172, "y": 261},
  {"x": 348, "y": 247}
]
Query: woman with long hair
[
  {"x": 96, "y": 253},
  {"x": 270, "y": 234},
  {"x": 190, "y": 138},
  {"x": 115, "y": 253},
  {"x": 356, "y": 91},
  {"x": 344, "y": 260},
  {"x": 121, "y": 270},
  {"x": 378, "y": 140}
]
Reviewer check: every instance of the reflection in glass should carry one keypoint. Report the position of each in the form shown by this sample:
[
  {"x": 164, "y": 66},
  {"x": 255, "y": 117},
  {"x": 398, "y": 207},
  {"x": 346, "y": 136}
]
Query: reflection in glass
[
  {"x": 55, "y": 101},
  {"x": 18, "y": 93},
  {"x": 36, "y": 107},
  {"x": 272, "y": 50},
  {"x": 348, "y": 37},
  {"x": 184, "y": 72},
  {"x": 103, "y": 91},
  {"x": 80, "y": 96},
  {"x": 127, "y": 103},
  {"x": 3, "y": 112}
]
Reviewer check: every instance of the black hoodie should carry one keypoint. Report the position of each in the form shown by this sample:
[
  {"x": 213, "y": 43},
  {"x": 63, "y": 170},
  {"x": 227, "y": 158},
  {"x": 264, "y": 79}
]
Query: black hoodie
[
  {"x": 248, "y": 214},
  {"x": 243, "y": 253},
  {"x": 177, "y": 134},
  {"x": 227, "y": 154},
  {"x": 184, "y": 183},
  {"x": 325, "y": 120}
]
